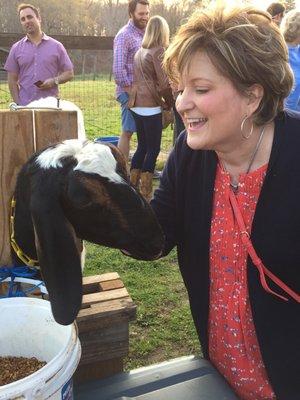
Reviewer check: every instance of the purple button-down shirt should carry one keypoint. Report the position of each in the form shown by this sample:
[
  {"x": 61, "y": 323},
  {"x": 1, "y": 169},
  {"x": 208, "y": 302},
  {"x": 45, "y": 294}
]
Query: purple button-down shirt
[
  {"x": 37, "y": 62},
  {"x": 127, "y": 42}
]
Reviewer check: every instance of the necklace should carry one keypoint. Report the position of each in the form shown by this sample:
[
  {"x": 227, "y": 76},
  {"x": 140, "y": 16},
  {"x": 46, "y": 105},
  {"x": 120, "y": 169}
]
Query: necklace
[{"x": 235, "y": 186}]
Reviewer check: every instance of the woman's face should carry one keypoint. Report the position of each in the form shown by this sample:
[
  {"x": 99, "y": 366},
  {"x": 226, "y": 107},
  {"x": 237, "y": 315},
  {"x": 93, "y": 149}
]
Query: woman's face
[{"x": 210, "y": 106}]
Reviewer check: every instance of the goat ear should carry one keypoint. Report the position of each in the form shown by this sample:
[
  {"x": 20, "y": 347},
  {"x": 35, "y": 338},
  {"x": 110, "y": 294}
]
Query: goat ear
[
  {"x": 77, "y": 192},
  {"x": 57, "y": 253},
  {"x": 118, "y": 155}
]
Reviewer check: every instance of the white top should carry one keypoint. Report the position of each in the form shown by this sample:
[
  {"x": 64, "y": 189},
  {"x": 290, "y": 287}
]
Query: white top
[{"x": 146, "y": 111}]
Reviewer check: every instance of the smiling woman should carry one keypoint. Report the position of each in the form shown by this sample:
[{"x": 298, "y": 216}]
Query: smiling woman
[
  {"x": 228, "y": 197},
  {"x": 210, "y": 101}
]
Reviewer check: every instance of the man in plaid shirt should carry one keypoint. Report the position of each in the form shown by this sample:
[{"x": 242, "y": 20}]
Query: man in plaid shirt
[{"x": 127, "y": 41}]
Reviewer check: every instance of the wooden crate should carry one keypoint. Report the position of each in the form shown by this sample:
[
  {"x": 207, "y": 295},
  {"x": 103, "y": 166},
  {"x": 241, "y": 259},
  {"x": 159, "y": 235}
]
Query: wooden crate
[
  {"x": 103, "y": 325},
  {"x": 17, "y": 144}
]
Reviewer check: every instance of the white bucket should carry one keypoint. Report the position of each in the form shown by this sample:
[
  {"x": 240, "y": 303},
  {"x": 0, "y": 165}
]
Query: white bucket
[{"x": 27, "y": 329}]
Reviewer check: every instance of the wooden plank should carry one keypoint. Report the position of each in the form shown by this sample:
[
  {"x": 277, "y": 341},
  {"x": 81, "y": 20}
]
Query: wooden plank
[
  {"x": 98, "y": 370},
  {"x": 103, "y": 326},
  {"x": 111, "y": 285},
  {"x": 97, "y": 320},
  {"x": 92, "y": 284},
  {"x": 100, "y": 287},
  {"x": 86, "y": 280},
  {"x": 70, "y": 42},
  {"x": 103, "y": 344},
  {"x": 54, "y": 126},
  {"x": 94, "y": 324},
  {"x": 116, "y": 333},
  {"x": 100, "y": 310},
  {"x": 104, "y": 351},
  {"x": 92, "y": 298},
  {"x": 16, "y": 145}
]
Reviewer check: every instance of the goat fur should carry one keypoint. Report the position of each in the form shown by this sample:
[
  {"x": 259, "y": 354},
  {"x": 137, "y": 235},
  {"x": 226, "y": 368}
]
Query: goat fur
[{"x": 79, "y": 189}]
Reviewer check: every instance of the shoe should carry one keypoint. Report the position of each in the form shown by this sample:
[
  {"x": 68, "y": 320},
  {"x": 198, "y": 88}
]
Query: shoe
[
  {"x": 146, "y": 185},
  {"x": 156, "y": 174},
  {"x": 135, "y": 175}
]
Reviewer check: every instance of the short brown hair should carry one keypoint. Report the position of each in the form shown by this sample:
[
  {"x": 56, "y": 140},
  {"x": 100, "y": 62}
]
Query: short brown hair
[
  {"x": 276, "y": 9},
  {"x": 34, "y": 9},
  {"x": 244, "y": 46},
  {"x": 133, "y": 3}
]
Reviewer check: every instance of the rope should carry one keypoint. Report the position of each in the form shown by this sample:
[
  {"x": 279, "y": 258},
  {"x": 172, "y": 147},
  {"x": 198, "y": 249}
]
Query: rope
[
  {"x": 15, "y": 107},
  {"x": 14, "y": 276},
  {"x": 30, "y": 262},
  {"x": 33, "y": 130}
]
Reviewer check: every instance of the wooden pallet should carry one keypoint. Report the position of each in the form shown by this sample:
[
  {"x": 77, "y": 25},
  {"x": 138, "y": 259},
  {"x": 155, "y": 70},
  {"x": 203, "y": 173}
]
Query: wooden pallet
[{"x": 103, "y": 325}]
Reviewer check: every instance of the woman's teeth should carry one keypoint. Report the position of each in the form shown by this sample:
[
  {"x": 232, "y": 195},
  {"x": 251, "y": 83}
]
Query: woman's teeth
[{"x": 193, "y": 122}]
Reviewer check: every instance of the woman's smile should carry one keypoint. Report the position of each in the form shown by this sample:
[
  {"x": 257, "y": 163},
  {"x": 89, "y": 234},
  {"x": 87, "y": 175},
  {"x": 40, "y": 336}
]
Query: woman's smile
[{"x": 194, "y": 124}]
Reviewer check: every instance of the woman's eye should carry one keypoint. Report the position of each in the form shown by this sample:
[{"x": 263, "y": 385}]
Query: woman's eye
[{"x": 201, "y": 90}]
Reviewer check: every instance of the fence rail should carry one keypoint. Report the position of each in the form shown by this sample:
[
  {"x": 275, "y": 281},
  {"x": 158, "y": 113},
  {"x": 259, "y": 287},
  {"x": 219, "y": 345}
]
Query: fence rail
[{"x": 70, "y": 42}]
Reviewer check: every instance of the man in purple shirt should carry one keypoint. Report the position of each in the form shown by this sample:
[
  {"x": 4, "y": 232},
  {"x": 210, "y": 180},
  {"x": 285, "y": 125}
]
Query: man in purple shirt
[
  {"x": 36, "y": 64},
  {"x": 127, "y": 41}
]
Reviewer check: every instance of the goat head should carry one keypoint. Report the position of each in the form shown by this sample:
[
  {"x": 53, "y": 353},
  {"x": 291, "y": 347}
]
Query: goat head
[{"x": 77, "y": 189}]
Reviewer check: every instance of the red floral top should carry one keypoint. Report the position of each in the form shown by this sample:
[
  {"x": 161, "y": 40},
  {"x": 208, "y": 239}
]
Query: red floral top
[{"x": 233, "y": 345}]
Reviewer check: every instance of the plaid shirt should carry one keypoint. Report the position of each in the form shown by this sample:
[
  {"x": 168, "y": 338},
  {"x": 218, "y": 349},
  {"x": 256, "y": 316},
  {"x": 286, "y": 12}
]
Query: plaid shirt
[{"x": 126, "y": 43}]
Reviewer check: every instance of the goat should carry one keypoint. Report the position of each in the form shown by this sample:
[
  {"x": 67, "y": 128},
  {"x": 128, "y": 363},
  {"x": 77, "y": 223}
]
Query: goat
[
  {"x": 65, "y": 105},
  {"x": 78, "y": 189}
]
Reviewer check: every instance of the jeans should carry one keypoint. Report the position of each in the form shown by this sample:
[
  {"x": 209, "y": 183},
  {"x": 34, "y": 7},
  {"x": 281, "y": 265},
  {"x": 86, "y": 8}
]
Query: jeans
[
  {"x": 128, "y": 124},
  {"x": 149, "y": 131}
]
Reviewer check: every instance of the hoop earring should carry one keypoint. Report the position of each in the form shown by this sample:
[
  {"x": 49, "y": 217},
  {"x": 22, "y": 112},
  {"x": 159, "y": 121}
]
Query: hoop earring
[{"x": 242, "y": 128}]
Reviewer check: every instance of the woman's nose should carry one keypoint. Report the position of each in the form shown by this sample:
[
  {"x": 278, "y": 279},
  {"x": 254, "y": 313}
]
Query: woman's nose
[{"x": 183, "y": 102}]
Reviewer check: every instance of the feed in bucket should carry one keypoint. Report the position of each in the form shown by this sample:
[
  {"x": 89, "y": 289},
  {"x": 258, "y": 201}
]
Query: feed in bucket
[
  {"x": 28, "y": 329},
  {"x": 15, "y": 368}
]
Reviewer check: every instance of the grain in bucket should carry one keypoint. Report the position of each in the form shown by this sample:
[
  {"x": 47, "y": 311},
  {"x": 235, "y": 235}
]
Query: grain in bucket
[{"x": 28, "y": 329}]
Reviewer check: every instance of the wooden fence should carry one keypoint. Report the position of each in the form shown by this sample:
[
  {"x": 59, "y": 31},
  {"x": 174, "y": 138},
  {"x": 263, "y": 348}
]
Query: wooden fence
[{"x": 70, "y": 42}]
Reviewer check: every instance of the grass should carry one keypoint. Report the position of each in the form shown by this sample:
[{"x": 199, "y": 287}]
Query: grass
[{"x": 164, "y": 327}]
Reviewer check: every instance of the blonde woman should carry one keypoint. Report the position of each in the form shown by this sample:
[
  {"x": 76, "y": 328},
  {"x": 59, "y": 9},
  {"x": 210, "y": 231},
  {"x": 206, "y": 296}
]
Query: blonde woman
[
  {"x": 229, "y": 198},
  {"x": 151, "y": 91},
  {"x": 291, "y": 32}
]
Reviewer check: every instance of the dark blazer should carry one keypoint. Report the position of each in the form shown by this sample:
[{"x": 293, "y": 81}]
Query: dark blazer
[{"x": 183, "y": 204}]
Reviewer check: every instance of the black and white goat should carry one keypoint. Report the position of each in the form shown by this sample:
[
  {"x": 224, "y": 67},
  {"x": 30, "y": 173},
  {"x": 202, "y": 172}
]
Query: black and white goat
[{"x": 78, "y": 189}]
